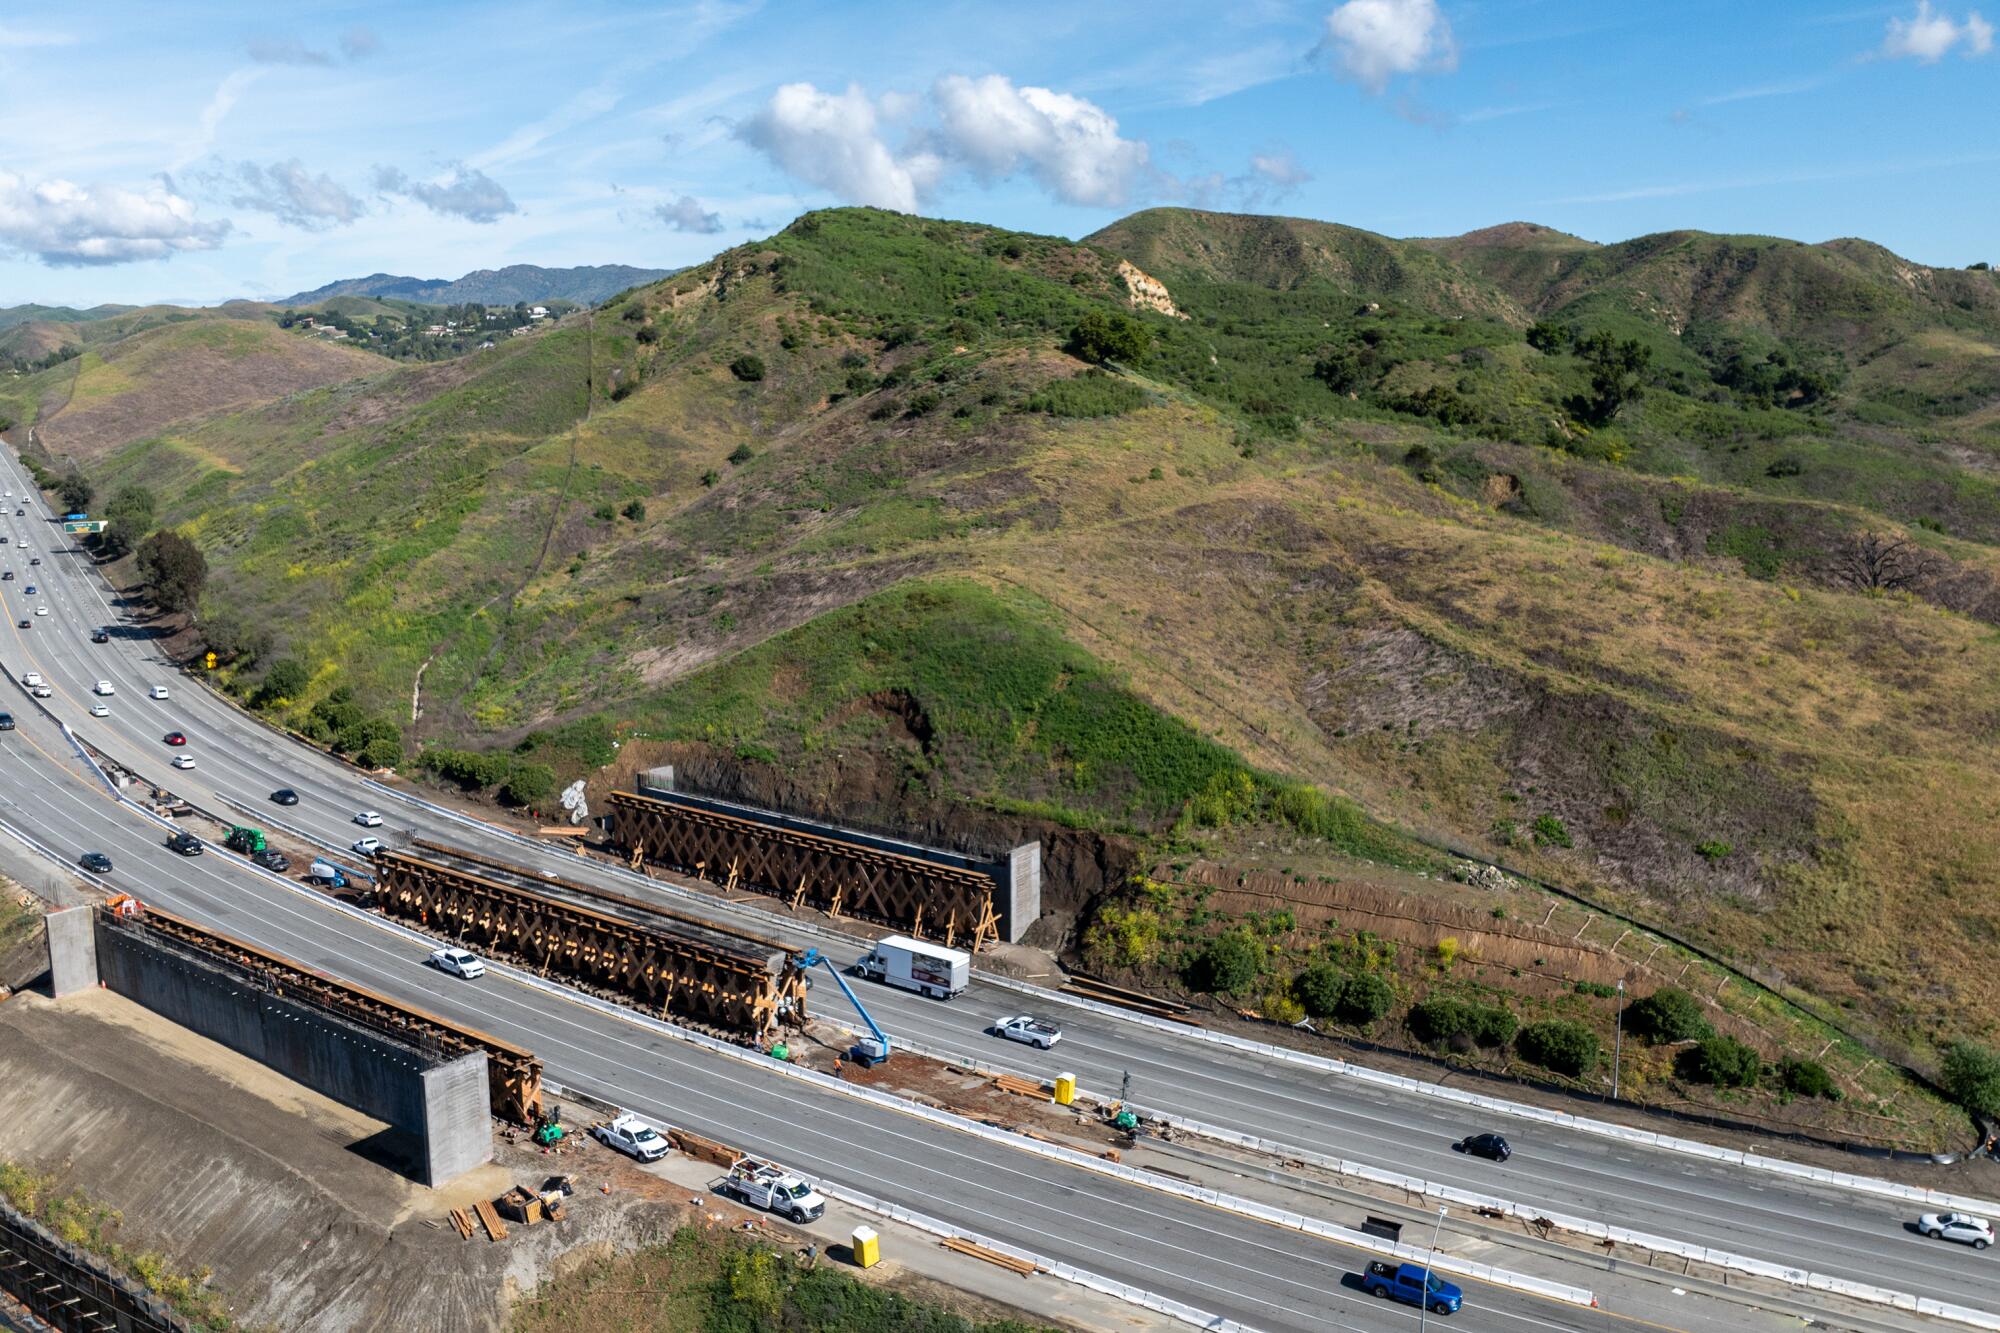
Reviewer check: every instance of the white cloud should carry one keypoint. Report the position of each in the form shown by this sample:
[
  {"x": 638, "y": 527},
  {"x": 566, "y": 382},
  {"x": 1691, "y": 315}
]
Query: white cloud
[
  {"x": 1929, "y": 35},
  {"x": 1071, "y": 146},
  {"x": 832, "y": 140},
  {"x": 65, "y": 224},
  {"x": 289, "y": 192},
  {"x": 1373, "y": 41},
  {"x": 465, "y": 192},
  {"x": 988, "y": 126},
  {"x": 1279, "y": 170},
  {"x": 686, "y": 214}
]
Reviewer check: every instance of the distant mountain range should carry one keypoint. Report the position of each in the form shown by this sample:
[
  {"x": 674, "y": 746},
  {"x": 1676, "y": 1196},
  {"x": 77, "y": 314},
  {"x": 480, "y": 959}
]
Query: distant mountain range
[
  {"x": 58, "y": 314},
  {"x": 585, "y": 285}
]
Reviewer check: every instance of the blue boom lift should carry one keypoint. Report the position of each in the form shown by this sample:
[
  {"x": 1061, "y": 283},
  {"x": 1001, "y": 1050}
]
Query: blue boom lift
[{"x": 871, "y": 1050}]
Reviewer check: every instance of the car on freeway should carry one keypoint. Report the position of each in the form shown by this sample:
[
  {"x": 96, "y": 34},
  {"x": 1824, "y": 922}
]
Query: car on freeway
[
  {"x": 95, "y": 862},
  {"x": 368, "y": 819},
  {"x": 158, "y": 692},
  {"x": 27, "y": 624},
  {"x": 104, "y": 688},
  {"x": 28, "y": 591},
  {"x": 100, "y": 710},
  {"x": 631, "y": 1136},
  {"x": 366, "y": 846},
  {"x": 101, "y": 636},
  {"x": 31, "y": 678},
  {"x": 41, "y": 610},
  {"x": 175, "y": 738},
  {"x": 1411, "y": 1285},
  {"x": 272, "y": 859},
  {"x": 183, "y": 761},
  {"x": 284, "y": 796},
  {"x": 21, "y": 545},
  {"x": 1493, "y": 1147},
  {"x": 35, "y": 560},
  {"x": 6, "y": 576},
  {"x": 1961, "y": 1227},
  {"x": 6, "y": 721},
  {"x": 184, "y": 843},
  {"x": 458, "y": 962},
  {"x": 41, "y": 691},
  {"x": 1037, "y": 1032}
]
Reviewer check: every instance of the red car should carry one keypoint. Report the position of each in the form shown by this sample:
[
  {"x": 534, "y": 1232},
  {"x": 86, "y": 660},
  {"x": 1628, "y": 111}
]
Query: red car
[{"x": 176, "y": 738}]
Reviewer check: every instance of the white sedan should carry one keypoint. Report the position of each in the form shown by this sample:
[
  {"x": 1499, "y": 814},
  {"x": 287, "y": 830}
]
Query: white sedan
[
  {"x": 105, "y": 688},
  {"x": 99, "y": 710},
  {"x": 1961, "y": 1227},
  {"x": 40, "y": 691},
  {"x": 458, "y": 962},
  {"x": 183, "y": 761},
  {"x": 367, "y": 846},
  {"x": 41, "y": 610},
  {"x": 1034, "y": 1031},
  {"x": 368, "y": 819}
]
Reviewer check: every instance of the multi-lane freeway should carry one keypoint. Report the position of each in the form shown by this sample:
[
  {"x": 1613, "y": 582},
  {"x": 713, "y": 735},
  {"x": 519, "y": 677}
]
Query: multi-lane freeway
[{"x": 1200, "y": 1257}]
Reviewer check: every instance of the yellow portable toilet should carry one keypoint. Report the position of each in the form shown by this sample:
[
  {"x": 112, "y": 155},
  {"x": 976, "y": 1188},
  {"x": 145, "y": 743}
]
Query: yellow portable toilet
[
  {"x": 1065, "y": 1089},
  {"x": 867, "y": 1249}
]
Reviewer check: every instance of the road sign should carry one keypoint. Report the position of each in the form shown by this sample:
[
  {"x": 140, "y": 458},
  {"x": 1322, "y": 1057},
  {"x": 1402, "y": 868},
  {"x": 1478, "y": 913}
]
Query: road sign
[{"x": 84, "y": 525}]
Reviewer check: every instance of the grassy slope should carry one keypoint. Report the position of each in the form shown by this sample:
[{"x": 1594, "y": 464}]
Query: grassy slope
[{"x": 1648, "y": 652}]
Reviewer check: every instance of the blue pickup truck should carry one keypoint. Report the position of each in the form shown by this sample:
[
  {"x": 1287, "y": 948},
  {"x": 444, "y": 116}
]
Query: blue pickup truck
[{"x": 1409, "y": 1284}]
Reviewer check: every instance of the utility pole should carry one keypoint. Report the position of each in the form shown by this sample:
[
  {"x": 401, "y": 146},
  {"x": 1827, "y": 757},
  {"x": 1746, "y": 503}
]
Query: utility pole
[
  {"x": 1424, "y": 1305},
  {"x": 1618, "y": 1039}
]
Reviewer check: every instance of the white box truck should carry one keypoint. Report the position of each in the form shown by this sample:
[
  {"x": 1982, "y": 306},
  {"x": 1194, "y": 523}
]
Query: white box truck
[{"x": 928, "y": 969}]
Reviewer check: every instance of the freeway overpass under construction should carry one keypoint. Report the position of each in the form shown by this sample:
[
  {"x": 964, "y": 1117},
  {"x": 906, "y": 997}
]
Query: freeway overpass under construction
[{"x": 670, "y": 963}]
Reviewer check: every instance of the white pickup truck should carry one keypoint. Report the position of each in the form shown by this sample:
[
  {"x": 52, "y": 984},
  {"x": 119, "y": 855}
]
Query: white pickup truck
[
  {"x": 631, "y": 1136},
  {"x": 769, "y": 1186}
]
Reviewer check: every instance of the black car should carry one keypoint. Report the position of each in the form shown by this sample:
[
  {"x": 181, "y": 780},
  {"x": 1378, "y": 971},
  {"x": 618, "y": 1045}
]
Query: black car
[
  {"x": 100, "y": 637},
  {"x": 6, "y": 576},
  {"x": 285, "y": 796},
  {"x": 185, "y": 843},
  {"x": 6, "y": 721},
  {"x": 273, "y": 860},
  {"x": 1490, "y": 1146},
  {"x": 96, "y": 862},
  {"x": 27, "y": 624},
  {"x": 34, "y": 560}
]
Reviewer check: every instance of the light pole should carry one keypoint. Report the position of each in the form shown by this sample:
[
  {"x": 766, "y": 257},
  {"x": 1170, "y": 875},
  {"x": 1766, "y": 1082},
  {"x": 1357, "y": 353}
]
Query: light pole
[
  {"x": 1424, "y": 1304},
  {"x": 1618, "y": 1039}
]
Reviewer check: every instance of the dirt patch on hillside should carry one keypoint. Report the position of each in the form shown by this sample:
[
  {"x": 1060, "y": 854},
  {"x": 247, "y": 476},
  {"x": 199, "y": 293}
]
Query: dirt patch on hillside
[{"x": 247, "y": 362}]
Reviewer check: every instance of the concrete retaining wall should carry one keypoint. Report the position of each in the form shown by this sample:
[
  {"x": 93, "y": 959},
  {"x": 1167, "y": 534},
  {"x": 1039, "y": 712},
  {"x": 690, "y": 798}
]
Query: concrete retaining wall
[
  {"x": 72, "y": 937},
  {"x": 445, "y": 1105}
]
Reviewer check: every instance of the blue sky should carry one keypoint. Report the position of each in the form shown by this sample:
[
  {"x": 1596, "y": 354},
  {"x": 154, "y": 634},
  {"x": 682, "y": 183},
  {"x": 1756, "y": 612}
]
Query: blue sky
[{"x": 199, "y": 151}]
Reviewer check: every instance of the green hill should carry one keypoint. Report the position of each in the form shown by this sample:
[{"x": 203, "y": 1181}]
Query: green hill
[{"x": 837, "y": 518}]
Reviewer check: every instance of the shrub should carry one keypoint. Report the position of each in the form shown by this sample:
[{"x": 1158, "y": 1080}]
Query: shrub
[
  {"x": 1280, "y": 1007},
  {"x": 1806, "y": 1078},
  {"x": 1714, "y": 849},
  {"x": 710, "y": 477},
  {"x": 1668, "y": 1014},
  {"x": 635, "y": 510},
  {"x": 1551, "y": 832},
  {"x": 287, "y": 679},
  {"x": 528, "y": 784},
  {"x": 1722, "y": 1061},
  {"x": 1320, "y": 988},
  {"x": 1446, "y": 951},
  {"x": 1100, "y": 337},
  {"x": 1560, "y": 1045},
  {"x": 1443, "y": 1019},
  {"x": 648, "y": 334},
  {"x": 1970, "y": 1074},
  {"x": 1123, "y": 937},
  {"x": 1091, "y": 394},
  {"x": 604, "y": 513},
  {"x": 922, "y": 402},
  {"x": 1230, "y": 962},
  {"x": 740, "y": 455},
  {"x": 1365, "y": 999},
  {"x": 749, "y": 368},
  {"x": 1596, "y": 988}
]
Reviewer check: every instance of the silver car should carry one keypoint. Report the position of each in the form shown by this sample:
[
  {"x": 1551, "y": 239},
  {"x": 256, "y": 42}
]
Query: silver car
[{"x": 1961, "y": 1227}]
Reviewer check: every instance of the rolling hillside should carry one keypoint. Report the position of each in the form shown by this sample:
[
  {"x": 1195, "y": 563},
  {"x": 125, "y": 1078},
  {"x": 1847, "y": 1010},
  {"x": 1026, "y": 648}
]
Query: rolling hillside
[
  {"x": 844, "y": 518},
  {"x": 585, "y": 285}
]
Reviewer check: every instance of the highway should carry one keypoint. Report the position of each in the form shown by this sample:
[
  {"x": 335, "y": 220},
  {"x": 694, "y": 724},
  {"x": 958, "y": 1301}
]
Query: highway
[{"x": 240, "y": 761}]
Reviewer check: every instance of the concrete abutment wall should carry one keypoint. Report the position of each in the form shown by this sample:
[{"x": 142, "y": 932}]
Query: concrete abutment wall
[{"x": 445, "y": 1104}]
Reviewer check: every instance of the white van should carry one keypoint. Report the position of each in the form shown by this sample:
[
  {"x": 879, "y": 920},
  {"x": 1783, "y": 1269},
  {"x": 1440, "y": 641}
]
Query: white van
[{"x": 159, "y": 692}]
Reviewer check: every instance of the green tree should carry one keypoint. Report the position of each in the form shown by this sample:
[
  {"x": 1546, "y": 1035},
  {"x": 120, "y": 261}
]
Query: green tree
[
  {"x": 1668, "y": 1014},
  {"x": 76, "y": 493},
  {"x": 173, "y": 569},
  {"x": 1365, "y": 999},
  {"x": 1546, "y": 337},
  {"x": 1319, "y": 989},
  {"x": 1230, "y": 962},
  {"x": 1722, "y": 1061},
  {"x": 285, "y": 681},
  {"x": 1617, "y": 369},
  {"x": 1970, "y": 1074},
  {"x": 1099, "y": 337},
  {"x": 749, "y": 368},
  {"x": 635, "y": 510},
  {"x": 1560, "y": 1045}
]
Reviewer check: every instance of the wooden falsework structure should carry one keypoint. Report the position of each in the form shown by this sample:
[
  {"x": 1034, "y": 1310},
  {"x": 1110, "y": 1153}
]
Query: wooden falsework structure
[
  {"x": 671, "y": 964},
  {"x": 908, "y": 893},
  {"x": 514, "y": 1075}
]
